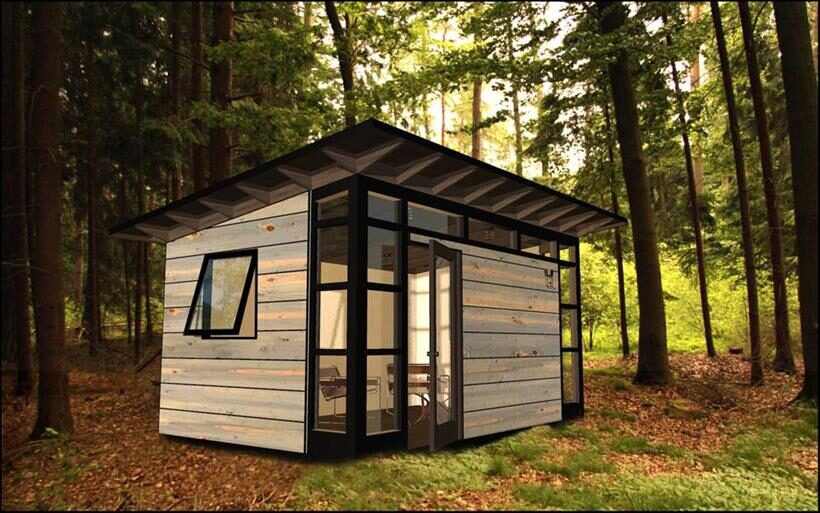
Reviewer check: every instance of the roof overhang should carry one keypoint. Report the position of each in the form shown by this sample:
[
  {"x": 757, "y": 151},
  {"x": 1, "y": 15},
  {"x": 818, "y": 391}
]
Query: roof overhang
[{"x": 383, "y": 152}]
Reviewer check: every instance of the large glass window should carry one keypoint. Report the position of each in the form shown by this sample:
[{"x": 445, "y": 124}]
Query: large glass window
[
  {"x": 381, "y": 319},
  {"x": 570, "y": 379},
  {"x": 381, "y": 255},
  {"x": 382, "y": 395},
  {"x": 332, "y": 319},
  {"x": 224, "y": 301},
  {"x": 383, "y": 207},
  {"x": 432, "y": 219},
  {"x": 491, "y": 234},
  {"x": 331, "y": 393},
  {"x": 332, "y": 245},
  {"x": 333, "y": 206},
  {"x": 539, "y": 246}
]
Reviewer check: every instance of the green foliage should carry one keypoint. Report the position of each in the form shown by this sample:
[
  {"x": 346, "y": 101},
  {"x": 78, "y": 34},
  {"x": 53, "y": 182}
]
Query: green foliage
[
  {"x": 589, "y": 460},
  {"x": 500, "y": 466},
  {"x": 611, "y": 414}
]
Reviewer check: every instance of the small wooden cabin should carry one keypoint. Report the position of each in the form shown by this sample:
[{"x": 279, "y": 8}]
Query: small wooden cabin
[{"x": 370, "y": 290}]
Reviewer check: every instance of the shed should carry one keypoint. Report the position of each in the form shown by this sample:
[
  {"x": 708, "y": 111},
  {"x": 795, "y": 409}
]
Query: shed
[{"x": 370, "y": 290}]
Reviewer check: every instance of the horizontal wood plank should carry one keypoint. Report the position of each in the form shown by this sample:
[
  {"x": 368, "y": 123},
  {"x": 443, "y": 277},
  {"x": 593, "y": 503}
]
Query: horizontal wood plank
[
  {"x": 269, "y": 434},
  {"x": 488, "y": 370},
  {"x": 501, "y": 345},
  {"x": 480, "y": 423},
  {"x": 268, "y": 345},
  {"x": 270, "y": 287},
  {"x": 491, "y": 320},
  {"x": 292, "y": 205},
  {"x": 497, "y": 395},
  {"x": 287, "y": 315},
  {"x": 269, "y": 374},
  {"x": 271, "y": 259},
  {"x": 262, "y": 232},
  {"x": 269, "y": 404},
  {"x": 488, "y": 270},
  {"x": 493, "y": 295}
]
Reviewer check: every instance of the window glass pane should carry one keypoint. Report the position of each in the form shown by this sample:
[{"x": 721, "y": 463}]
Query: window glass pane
[
  {"x": 538, "y": 246},
  {"x": 491, "y": 234},
  {"x": 222, "y": 283},
  {"x": 568, "y": 285},
  {"x": 443, "y": 330},
  {"x": 248, "y": 327},
  {"x": 418, "y": 345},
  {"x": 332, "y": 317},
  {"x": 433, "y": 219},
  {"x": 332, "y": 254},
  {"x": 568, "y": 253},
  {"x": 331, "y": 393},
  {"x": 382, "y": 404},
  {"x": 332, "y": 206},
  {"x": 569, "y": 328},
  {"x": 570, "y": 377},
  {"x": 381, "y": 319},
  {"x": 381, "y": 255},
  {"x": 383, "y": 207}
]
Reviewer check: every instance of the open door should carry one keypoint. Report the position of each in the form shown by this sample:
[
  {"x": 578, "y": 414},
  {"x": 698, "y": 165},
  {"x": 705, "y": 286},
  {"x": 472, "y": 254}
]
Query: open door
[{"x": 445, "y": 345}]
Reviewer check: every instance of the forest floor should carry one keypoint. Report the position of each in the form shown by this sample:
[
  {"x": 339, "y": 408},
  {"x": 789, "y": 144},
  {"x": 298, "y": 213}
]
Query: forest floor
[{"x": 749, "y": 449}]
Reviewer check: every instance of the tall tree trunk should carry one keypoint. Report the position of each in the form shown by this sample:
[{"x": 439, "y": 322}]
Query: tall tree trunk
[
  {"x": 308, "y": 14},
  {"x": 800, "y": 85},
  {"x": 619, "y": 251},
  {"x": 91, "y": 314},
  {"x": 694, "y": 83},
  {"x": 653, "y": 358},
  {"x": 176, "y": 42},
  {"x": 694, "y": 208},
  {"x": 9, "y": 307},
  {"x": 220, "y": 138},
  {"x": 53, "y": 407},
  {"x": 476, "y": 132},
  {"x": 745, "y": 219},
  {"x": 138, "y": 286},
  {"x": 783, "y": 360},
  {"x": 341, "y": 38},
  {"x": 519, "y": 146},
  {"x": 197, "y": 151},
  {"x": 14, "y": 161},
  {"x": 126, "y": 272}
]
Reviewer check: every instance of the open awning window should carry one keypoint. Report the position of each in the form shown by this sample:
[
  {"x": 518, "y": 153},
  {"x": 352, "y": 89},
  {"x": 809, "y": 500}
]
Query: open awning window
[{"x": 224, "y": 303}]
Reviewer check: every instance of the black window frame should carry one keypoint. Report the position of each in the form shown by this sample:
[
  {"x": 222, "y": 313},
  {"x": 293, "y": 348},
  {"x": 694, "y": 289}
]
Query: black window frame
[{"x": 250, "y": 278}]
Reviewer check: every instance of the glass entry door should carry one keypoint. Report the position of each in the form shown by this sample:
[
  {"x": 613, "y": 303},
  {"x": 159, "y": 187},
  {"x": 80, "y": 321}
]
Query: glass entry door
[{"x": 445, "y": 345}]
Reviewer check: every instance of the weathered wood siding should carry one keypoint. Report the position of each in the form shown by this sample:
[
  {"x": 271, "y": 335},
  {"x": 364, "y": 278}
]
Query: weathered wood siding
[
  {"x": 242, "y": 391},
  {"x": 512, "y": 368}
]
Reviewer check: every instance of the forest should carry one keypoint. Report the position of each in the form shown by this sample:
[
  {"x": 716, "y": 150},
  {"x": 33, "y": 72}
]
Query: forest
[{"x": 696, "y": 121}]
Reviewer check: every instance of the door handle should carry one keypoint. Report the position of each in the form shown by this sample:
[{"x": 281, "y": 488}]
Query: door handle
[{"x": 428, "y": 353}]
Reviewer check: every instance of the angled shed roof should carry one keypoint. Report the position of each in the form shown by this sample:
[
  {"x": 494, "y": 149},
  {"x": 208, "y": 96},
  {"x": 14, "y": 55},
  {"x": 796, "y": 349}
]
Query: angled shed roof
[{"x": 383, "y": 152}]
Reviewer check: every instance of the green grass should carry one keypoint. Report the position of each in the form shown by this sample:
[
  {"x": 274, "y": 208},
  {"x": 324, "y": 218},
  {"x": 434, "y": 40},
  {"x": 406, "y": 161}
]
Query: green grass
[
  {"x": 620, "y": 384},
  {"x": 611, "y": 414},
  {"x": 500, "y": 466},
  {"x": 588, "y": 460},
  {"x": 613, "y": 371}
]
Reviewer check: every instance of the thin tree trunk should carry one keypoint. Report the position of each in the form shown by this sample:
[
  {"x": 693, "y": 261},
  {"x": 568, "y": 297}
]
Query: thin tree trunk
[
  {"x": 476, "y": 132},
  {"x": 126, "y": 265},
  {"x": 138, "y": 286},
  {"x": 694, "y": 208},
  {"x": 341, "y": 38},
  {"x": 91, "y": 316},
  {"x": 800, "y": 86},
  {"x": 519, "y": 146},
  {"x": 197, "y": 151},
  {"x": 308, "y": 14},
  {"x": 443, "y": 93},
  {"x": 619, "y": 251},
  {"x": 694, "y": 83},
  {"x": 21, "y": 322},
  {"x": 9, "y": 307},
  {"x": 653, "y": 358},
  {"x": 745, "y": 218},
  {"x": 220, "y": 138},
  {"x": 783, "y": 360},
  {"x": 176, "y": 43},
  {"x": 53, "y": 406}
]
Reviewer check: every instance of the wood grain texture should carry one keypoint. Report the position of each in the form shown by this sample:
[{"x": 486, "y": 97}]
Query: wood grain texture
[
  {"x": 268, "y": 404},
  {"x": 292, "y": 205},
  {"x": 270, "y": 434},
  {"x": 497, "y": 395},
  {"x": 262, "y": 232},
  {"x": 499, "y": 345},
  {"x": 493, "y": 295},
  {"x": 497, "y": 420},
  {"x": 288, "y": 315},
  {"x": 269, "y": 345},
  {"x": 488, "y": 370},
  {"x": 503, "y": 273},
  {"x": 271, "y": 287},
  {"x": 271, "y": 259},
  {"x": 490, "y": 320},
  {"x": 268, "y": 374}
]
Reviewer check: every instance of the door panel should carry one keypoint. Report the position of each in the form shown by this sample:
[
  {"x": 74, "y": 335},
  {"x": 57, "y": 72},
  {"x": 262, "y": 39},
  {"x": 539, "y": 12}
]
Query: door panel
[{"x": 445, "y": 344}]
